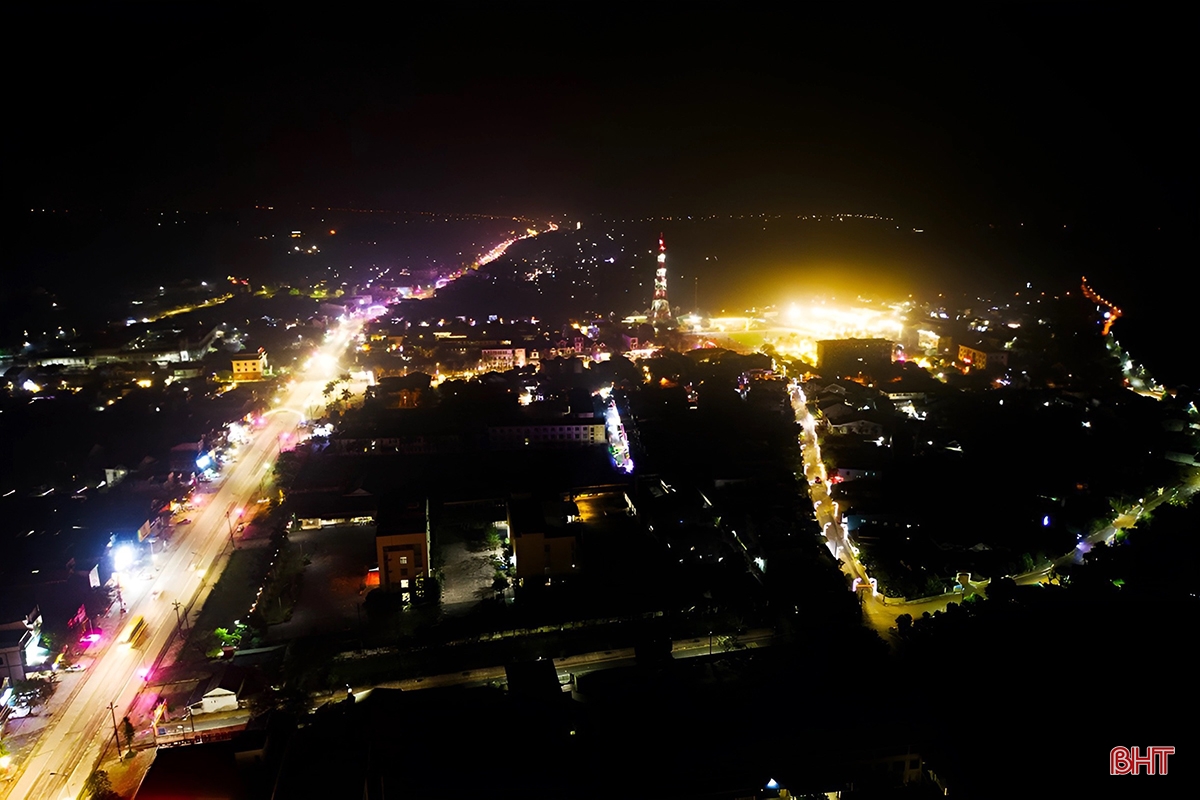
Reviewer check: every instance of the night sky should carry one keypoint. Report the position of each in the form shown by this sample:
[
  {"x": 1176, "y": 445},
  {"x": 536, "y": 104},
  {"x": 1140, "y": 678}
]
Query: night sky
[{"x": 997, "y": 114}]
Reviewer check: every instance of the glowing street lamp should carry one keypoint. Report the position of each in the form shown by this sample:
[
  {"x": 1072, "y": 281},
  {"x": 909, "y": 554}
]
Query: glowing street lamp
[{"x": 123, "y": 558}]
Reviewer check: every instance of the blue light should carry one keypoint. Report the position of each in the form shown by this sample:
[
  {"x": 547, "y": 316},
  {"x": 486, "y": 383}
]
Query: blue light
[
  {"x": 1046, "y": 521},
  {"x": 203, "y": 462}
]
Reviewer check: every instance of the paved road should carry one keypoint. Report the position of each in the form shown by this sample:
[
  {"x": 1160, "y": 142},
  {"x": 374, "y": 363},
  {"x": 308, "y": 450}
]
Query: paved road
[
  {"x": 880, "y": 611},
  {"x": 576, "y": 665},
  {"x": 72, "y": 744}
]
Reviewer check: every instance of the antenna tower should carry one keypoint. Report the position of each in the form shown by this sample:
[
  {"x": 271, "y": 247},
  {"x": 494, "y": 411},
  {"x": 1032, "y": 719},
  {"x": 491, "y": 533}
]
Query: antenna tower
[{"x": 660, "y": 309}]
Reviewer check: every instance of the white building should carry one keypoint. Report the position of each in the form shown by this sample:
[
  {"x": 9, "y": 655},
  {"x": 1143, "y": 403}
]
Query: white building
[{"x": 501, "y": 359}]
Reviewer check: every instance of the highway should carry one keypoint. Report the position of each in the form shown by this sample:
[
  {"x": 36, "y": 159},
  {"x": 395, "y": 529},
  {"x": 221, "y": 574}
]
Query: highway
[{"x": 69, "y": 748}]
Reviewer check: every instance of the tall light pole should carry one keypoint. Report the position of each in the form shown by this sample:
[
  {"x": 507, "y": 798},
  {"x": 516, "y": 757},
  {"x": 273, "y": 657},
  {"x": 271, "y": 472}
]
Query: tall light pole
[{"x": 178, "y": 619}]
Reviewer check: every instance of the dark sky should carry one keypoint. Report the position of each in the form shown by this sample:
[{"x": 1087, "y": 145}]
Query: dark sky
[{"x": 1007, "y": 111}]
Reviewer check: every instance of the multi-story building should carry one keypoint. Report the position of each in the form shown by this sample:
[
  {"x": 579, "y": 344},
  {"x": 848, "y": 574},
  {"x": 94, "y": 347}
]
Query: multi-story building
[
  {"x": 853, "y": 356},
  {"x": 501, "y": 359},
  {"x": 545, "y": 544},
  {"x": 557, "y": 434},
  {"x": 402, "y": 545},
  {"x": 250, "y": 367},
  {"x": 982, "y": 359},
  {"x": 20, "y": 631}
]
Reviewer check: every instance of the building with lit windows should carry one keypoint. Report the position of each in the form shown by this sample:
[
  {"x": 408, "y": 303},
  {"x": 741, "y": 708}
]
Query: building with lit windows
[
  {"x": 556, "y": 435},
  {"x": 402, "y": 544},
  {"x": 250, "y": 368},
  {"x": 982, "y": 359},
  {"x": 501, "y": 359}
]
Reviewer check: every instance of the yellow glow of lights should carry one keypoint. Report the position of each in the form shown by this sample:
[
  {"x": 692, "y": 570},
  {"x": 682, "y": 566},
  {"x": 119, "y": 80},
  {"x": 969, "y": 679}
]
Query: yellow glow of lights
[{"x": 796, "y": 331}]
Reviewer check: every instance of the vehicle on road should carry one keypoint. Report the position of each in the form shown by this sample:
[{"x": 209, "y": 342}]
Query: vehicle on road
[{"x": 133, "y": 630}]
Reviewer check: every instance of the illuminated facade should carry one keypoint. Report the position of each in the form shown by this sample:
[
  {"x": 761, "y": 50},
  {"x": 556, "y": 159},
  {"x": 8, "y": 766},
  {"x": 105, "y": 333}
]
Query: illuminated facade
[
  {"x": 547, "y": 435},
  {"x": 660, "y": 309},
  {"x": 250, "y": 368},
  {"x": 501, "y": 359},
  {"x": 402, "y": 545},
  {"x": 976, "y": 358},
  {"x": 13, "y": 643}
]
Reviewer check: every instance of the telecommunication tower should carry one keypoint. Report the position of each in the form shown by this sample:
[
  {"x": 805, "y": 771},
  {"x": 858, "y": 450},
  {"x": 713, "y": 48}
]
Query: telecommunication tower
[{"x": 660, "y": 309}]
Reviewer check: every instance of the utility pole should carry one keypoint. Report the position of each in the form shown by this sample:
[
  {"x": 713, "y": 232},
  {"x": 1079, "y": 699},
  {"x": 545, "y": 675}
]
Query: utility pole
[
  {"x": 229, "y": 521},
  {"x": 178, "y": 619},
  {"x": 112, "y": 709}
]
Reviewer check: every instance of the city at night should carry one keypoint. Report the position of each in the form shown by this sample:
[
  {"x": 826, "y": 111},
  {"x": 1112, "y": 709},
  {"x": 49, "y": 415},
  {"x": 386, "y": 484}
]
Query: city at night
[{"x": 575, "y": 401}]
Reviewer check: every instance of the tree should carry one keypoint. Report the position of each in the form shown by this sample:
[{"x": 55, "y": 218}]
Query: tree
[
  {"x": 230, "y": 638},
  {"x": 33, "y": 692},
  {"x": 128, "y": 730},
  {"x": 98, "y": 786}
]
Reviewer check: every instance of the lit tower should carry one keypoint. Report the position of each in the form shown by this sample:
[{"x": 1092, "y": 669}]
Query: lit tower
[{"x": 660, "y": 309}]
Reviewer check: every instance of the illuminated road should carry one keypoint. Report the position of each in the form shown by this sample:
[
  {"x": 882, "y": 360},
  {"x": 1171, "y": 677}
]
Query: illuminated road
[
  {"x": 878, "y": 613},
  {"x": 70, "y": 746}
]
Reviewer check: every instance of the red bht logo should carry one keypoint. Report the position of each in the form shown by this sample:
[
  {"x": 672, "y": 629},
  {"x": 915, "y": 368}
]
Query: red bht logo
[{"x": 1129, "y": 760}]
